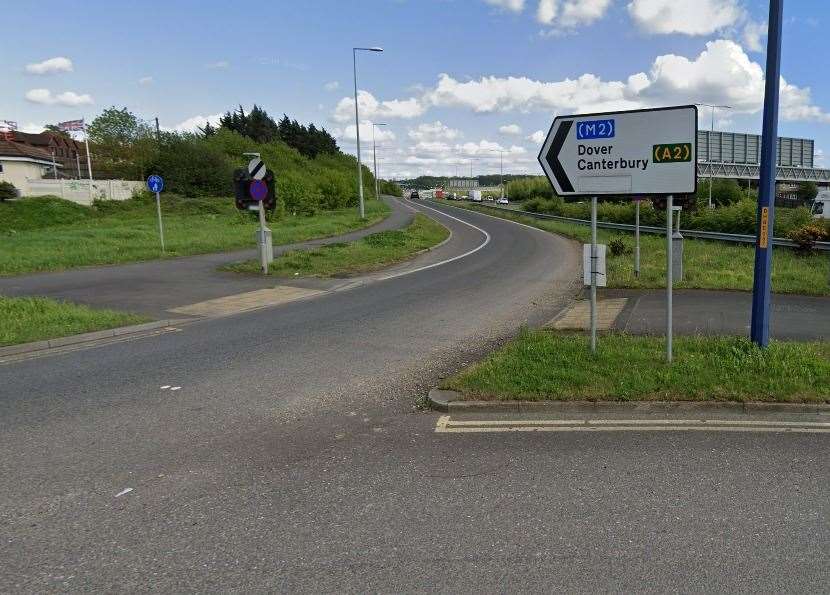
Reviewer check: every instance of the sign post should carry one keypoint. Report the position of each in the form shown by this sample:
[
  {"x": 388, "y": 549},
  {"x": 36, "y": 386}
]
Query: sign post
[
  {"x": 762, "y": 283},
  {"x": 637, "y": 202},
  {"x": 669, "y": 276},
  {"x": 650, "y": 152},
  {"x": 259, "y": 191},
  {"x": 156, "y": 184}
]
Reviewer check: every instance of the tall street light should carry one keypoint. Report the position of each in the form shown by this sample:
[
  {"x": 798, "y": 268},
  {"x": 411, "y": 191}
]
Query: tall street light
[
  {"x": 357, "y": 125},
  {"x": 375, "y": 157},
  {"x": 709, "y": 144}
]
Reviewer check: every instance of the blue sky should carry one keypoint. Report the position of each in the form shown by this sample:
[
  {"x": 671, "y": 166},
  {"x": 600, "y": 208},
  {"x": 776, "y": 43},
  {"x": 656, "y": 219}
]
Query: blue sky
[{"x": 459, "y": 79}]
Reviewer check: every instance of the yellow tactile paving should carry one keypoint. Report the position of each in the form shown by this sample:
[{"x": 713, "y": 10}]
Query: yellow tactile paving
[
  {"x": 578, "y": 316},
  {"x": 243, "y": 302}
]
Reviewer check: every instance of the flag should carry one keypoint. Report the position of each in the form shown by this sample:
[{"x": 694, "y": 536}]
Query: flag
[{"x": 71, "y": 125}]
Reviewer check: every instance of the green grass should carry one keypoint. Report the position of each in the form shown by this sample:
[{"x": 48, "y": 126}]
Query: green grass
[
  {"x": 707, "y": 264},
  {"x": 373, "y": 252},
  {"x": 23, "y": 320},
  {"x": 50, "y": 234},
  {"x": 541, "y": 365}
]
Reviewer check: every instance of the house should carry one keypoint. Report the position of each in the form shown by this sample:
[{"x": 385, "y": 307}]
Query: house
[
  {"x": 66, "y": 151},
  {"x": 21, "y": 163}
]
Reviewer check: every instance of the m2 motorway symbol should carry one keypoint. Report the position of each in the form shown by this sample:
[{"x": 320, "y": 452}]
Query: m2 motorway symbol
[{"x": 616, "y": 153}]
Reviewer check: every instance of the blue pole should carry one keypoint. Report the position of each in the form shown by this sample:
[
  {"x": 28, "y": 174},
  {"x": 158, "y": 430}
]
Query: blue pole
[{"x": 761, "y": 288}]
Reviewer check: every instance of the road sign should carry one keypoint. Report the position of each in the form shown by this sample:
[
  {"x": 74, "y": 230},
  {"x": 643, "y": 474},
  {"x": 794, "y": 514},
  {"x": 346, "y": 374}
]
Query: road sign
[
  {"x": 644, "y": 152},
  {"x": 258, "y": 190},
  {"x": 257, "y": 169},
  {"x": 155, "y": 183}
]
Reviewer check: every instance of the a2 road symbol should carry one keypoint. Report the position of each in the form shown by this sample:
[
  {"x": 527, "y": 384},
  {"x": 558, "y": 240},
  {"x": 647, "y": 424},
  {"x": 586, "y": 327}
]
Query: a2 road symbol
[
  {"x": 257, "y": 169},
  {"x": 676, "y": 153}
]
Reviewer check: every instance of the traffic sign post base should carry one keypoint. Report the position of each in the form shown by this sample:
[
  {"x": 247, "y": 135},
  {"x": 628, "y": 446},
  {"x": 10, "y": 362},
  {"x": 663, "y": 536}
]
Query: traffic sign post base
[
  {"x": 594, "y": 274},
  {"x": 264, "y": 237}
]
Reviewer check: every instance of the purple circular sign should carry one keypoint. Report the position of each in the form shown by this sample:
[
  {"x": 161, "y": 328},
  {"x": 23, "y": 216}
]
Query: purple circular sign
[{"x": 258, "y": 190}]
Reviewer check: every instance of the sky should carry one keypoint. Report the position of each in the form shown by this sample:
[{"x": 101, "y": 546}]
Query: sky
[{"x": 461, "y": 84}]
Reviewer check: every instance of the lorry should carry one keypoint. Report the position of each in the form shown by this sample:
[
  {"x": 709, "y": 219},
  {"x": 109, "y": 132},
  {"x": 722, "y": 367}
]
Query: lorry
[
  {"x": 475, "y": 195},
  {"x": 821, "y": 205}
]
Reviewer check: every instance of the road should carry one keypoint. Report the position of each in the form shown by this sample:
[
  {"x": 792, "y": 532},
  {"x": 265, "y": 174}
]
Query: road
[{"x": 292, "y": 458}]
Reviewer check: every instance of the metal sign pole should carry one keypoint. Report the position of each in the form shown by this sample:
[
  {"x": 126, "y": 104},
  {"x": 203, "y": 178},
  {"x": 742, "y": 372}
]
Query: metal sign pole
[
  {"x": 762, "y": 283},
  {"x": 263, "y": 246},
  {"x": 594, "y": 274},
  {"x": 161, "y": 228},
  {"x": 669, "y": 276},
  {"x": 637, "y": 239}
]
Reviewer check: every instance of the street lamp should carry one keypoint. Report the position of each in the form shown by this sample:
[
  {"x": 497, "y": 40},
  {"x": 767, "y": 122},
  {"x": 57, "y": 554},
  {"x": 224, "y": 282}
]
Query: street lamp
[
  {"x": 375, "y": 157},
  {"x": 357, "y": 124},
  {"x": 709, "y": 144}
]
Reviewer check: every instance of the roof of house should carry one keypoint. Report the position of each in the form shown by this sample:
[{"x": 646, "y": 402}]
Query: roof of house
[
  {"x": 38, "y": 140},
  {"x": 13, "y": 149}
]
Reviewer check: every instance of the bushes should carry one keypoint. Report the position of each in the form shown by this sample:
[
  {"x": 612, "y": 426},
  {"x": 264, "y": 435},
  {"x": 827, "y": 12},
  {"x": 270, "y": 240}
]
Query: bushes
[
  {"x": 7, "y": 191},
  {"x": 192, "y": 167},
  {"x": 807, "y": 235},
  {"x": 529, "y": 188}
]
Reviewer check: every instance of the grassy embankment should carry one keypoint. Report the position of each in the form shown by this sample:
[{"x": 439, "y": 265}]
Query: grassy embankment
[
  {"x": 49, "y": 234},
  {"x": 541, "y": 365},
  {"x": 373, "y": 252},
  {"x": 33, "y": 319},
  {"x": 707, "y": 264}
]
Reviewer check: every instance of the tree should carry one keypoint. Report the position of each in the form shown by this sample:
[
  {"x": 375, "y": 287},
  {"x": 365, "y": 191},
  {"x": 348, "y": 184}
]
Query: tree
[
  {"x": 54, "y": 129},
  {"x": 122, "y": 143},
  {"x": 724, "y": 192},
  {"x": 208, "y": 129},
  {"x": 807, "y": 191}
]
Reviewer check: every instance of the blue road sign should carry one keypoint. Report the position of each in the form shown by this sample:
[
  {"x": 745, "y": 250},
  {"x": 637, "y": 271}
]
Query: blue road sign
[
  {"x": 155, "y": 183},
  {"x": 259, "y": 190},
  {"x": 591, "y": 129}
]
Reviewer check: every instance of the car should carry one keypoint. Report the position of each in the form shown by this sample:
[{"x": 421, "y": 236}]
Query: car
[
  {"x": 414, "y": 194},
  {"x": 503, "y": 201}
]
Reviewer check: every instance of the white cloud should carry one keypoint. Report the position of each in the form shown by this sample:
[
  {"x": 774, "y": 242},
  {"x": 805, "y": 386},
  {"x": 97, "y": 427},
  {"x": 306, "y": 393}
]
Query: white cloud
[
  {"x": 372, "y": 109},
  {"x": 487, "y": 148},
  {"x": 331, "y": 86},
  {"x": 433, "y": 131},
  {"x": 698, "y": 17},
  {"x": 571, "y": 13},
  {"x": 512, "y": 5},
  {"x": 145, "y": 81},
  {"x": 67, "y": 98},
  {"x": 220, "y": 65},
  {"x": 752, "y": 35},
  {"x": 50, "y": 66},
  {"x": 194, "y": 123},
  {"x": 538, "y": 137},
  {"x": 350, "y": 134},
  {"x": 510, "y": 129},
  {"x": 32, "y": 128}
]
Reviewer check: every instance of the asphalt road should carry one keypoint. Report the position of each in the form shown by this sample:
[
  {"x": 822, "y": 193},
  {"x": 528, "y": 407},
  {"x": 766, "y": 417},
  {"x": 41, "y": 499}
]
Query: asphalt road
[{"x": 292, "y": 459}]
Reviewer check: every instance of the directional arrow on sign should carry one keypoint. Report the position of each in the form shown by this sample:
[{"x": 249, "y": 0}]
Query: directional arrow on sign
[{"x": 560, "y": 179}]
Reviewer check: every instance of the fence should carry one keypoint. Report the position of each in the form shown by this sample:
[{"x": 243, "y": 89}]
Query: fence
[{"x": 78, "y": 190}]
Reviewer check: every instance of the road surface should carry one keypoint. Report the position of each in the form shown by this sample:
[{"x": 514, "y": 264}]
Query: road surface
[{"x": 291, "y": 458}]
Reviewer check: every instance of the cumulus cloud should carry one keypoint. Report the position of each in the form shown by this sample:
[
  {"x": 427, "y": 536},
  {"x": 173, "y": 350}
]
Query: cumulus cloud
[
  {"x": 373, "y": 109},
  {"x": 701, "y": 17},
  {"x": 194, "y": 123},
  {"x": 331, "y": 86},
  {"x": 512, "y": 5},
  {"x": 487, "y": 148},
  {"x": 571, "y": 13},
  {"x": 67, "y": 98},
  {"x": 753, "y": 33},
  {"x": 350, "y": 133},
  {"x": 50, "y": 66},
  {"x": 510, "y": 129},
  {"x": 145, "y": 81},
  {"x": 433, "y": 131},
  {"x": 538, "y": 137}
]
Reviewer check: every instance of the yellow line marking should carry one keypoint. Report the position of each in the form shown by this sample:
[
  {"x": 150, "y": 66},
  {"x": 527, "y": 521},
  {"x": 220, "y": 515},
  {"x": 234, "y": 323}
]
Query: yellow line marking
[{"x": 244, "y": 302}]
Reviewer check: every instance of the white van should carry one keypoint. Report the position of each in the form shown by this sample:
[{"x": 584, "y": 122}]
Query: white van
[{"x": 821, "y": 205}]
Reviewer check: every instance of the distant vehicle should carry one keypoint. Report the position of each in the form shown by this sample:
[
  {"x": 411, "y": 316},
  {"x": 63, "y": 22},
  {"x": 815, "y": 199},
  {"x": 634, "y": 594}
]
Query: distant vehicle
[
  {"x": 414, "y": 194},
  {"x": 475, "y": 195},
  {"x": 439, "y": 193},
  {"x": 821, "y": 205},
  {"x": 503, "y": 201}
]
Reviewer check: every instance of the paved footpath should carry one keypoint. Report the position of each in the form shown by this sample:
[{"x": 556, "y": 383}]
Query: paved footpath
[
  {"x": 698, "y": 312},
  {"x": 155, "y": 287}
]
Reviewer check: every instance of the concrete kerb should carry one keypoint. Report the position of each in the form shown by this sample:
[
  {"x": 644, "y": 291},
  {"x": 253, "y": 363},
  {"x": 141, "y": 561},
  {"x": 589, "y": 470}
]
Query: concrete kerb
[
  {"x": 90, "y": 337},
  {"x": 449, "y": 401}
]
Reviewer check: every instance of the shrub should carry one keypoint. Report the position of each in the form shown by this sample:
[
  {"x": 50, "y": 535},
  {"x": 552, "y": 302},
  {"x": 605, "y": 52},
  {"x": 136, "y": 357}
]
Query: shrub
[
  {"x": 806, "y": 237},
  {"x": 528, "y": 188},
  {"x": 618, "y": 247},
  {"x": 7, "y": 191}
]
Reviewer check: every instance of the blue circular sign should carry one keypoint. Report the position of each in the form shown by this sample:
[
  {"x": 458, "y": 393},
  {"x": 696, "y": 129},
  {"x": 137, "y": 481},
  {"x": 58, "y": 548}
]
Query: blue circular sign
[
  {"x": 155, "y": 183},
  {"x": 259, "y": 190}
]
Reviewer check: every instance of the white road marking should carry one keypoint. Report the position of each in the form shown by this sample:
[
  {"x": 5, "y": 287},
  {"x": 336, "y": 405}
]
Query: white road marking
[
  {"x": 165, "y": 387},
  {"x": 124, "y": 491},
  {"x": 448, "y": 260},
  {"x": 445, "y": 424},
  {"x": 175, "y": 388}
]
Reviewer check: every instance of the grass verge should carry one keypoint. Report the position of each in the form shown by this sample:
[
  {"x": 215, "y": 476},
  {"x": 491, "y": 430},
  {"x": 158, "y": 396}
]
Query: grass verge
[
  {"x": 541, "y": 365},
  {"x": 373, "y": 252},
  {"x": 27, "y": 319},
  {"x": 707, "y": 264},
  {"x": 50, "y": 234}
]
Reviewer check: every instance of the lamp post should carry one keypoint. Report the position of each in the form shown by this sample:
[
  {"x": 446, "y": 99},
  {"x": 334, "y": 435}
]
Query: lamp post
[
  {"x": 357, "y": 125},
  {"x": 375, "y": 157},
  {"x": 709, "y": 144}
]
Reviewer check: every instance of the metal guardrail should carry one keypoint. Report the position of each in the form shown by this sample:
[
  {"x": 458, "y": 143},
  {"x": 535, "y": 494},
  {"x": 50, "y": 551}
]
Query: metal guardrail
[{"x": 688, "y": 233}]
